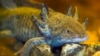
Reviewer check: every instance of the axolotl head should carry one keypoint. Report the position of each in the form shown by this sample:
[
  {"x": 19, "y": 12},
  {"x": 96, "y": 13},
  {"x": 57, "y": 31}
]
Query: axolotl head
[
  {"x": 66, "y": 28},
  {"x": 58, "y": 28}
]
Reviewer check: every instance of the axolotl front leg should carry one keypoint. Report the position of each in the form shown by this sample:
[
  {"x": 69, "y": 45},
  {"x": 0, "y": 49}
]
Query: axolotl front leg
[{"x": 25, "y": 51}]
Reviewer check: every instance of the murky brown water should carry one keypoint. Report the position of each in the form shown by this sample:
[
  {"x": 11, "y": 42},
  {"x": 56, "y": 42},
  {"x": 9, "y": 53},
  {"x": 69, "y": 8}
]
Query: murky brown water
[{"x": 5, "y": 49}]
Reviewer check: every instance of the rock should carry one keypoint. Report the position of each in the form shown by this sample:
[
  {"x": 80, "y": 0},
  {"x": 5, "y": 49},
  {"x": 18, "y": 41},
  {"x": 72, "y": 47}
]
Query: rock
[
  {"x": 73, "y": 50},
  {"x": 41, "y": 50},
  {"x": 67, "y": 50}
]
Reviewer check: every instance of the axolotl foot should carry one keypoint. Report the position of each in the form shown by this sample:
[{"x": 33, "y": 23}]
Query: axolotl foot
[{"x": 25, "y": 51}]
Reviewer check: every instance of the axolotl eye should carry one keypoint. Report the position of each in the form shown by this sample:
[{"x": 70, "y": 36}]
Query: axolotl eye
[{"x": 69, "y": 32}]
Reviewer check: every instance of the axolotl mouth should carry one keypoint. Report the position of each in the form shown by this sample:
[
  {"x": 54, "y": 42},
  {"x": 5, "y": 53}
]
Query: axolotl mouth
[{"x": 62, "y": 41}]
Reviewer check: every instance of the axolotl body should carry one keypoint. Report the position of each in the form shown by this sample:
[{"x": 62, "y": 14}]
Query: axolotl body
[{"x": 56, "y": 29}]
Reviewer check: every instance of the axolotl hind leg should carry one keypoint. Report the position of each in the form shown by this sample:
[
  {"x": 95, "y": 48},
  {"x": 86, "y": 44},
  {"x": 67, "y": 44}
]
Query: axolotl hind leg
[{"x": 25, "y": 51}]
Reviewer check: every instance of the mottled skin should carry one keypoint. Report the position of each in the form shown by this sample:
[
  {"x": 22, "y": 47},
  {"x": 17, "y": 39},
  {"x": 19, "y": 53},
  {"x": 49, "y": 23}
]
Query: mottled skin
[
  {"x": 20, "y": 22},
  {"x": 53, "y": 28}
]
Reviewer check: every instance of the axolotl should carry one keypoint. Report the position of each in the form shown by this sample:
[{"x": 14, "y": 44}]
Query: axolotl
[
  {"x": 56, "y": 29},
  {"x": 46, "y": 27}
]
